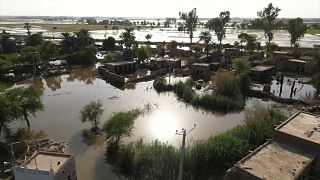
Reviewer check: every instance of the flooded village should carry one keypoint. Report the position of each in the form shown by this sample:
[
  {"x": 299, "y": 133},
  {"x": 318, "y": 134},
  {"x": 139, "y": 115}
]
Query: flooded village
[{"x": 174, "y": 98}]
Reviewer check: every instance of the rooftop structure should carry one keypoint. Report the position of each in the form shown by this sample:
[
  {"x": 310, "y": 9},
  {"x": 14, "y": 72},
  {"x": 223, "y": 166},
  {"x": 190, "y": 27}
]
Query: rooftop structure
[
  {"x": 298, "y": 61},
  {"x": 45, "y": 165},
  {"x": 274, "y": 161},
  {"x": 301, "y": 129},
  {"x": 121, "y": 67},
  {"x": 293, "y": 154},
  {"x": 262, "y": 68}
]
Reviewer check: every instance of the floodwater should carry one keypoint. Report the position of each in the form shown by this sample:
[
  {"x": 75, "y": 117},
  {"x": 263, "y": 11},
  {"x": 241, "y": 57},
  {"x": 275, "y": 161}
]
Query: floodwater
[
  {"x": 281, "y": 37},
  {"x": 65, "y": 95}
]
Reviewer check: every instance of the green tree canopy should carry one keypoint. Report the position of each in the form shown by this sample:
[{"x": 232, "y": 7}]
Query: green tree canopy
[
  {"x": 267, "y": 19},
  {"x": 109, "y": 44},
  {"x": 249, "y": 40},
  {"x": 218, "y": 25},
  {"x": 92, "y": 113},
  {"x": 30, "y": 54},
  {"x": 296, "y": 29},
  {"x": 191, "y": 21},
  {"x": 34, "y": 39},
  {"x": 143, "y": 53},
  {"x": 8, "y": 44},
  {"x": 206, "y": 37},
  {"x": 48, "y": 50},
  {"x": 120, "y": 125},
  {"x": 28, "y": 100}
]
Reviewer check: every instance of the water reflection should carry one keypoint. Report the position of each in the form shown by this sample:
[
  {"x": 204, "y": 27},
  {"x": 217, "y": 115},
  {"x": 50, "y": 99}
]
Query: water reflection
[
  {"x": 86, "y": 75},
  {"x": 53, "y": 82}
]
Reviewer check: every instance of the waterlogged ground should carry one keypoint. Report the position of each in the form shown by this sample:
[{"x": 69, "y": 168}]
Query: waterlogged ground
[
  {"x": 282, "y": 38},
  {"x": 64, "y": 96}
]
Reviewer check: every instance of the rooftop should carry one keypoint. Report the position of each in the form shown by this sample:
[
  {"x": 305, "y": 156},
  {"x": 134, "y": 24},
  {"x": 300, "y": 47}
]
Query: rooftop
[
  {"x": 262, "y": 68},
  {"x": 302, "y": 125},
  {"x": 275, "y": 161},
  {"x": 200, "y": 64},
  {"x": 282, "y": 52},
  {"x": 45, "y": 161},
  {"x": 117, "y": 63},
  {"x": 297, "y": 61}
]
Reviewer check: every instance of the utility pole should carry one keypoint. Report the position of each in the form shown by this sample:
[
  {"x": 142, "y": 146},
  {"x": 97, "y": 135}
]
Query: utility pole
[{"x": 184, "y": 133}]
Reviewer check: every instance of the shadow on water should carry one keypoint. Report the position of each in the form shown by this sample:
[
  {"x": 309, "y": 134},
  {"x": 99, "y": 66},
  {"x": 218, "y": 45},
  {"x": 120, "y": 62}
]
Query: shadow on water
[{"x": 86, "y": 75}]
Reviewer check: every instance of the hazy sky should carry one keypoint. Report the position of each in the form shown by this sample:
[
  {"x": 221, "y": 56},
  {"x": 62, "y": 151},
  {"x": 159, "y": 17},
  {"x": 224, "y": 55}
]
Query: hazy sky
[{"x": 156, "y": 8}]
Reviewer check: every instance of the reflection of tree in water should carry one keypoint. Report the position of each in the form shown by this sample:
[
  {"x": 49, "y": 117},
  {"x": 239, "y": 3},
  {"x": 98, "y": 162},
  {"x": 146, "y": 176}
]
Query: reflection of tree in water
[
  {"x": 54, "y": 82},
  {"x": 87, "y": 75},
  {"x": 96, "y": 141}
]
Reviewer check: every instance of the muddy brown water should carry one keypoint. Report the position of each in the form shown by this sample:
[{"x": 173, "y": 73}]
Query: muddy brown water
[{"x": 65, "y": 95}]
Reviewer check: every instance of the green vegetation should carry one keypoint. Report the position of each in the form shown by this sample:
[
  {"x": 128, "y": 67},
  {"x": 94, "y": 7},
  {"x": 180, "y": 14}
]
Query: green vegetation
[
  {"x": 191, "y": 22},
  {"x": 204, "y": 158},
  {"x": 109, "y": 44},
  {"x": 249, "y": 40},
  {"x": 267, "y": 20},
  {"x": 218, "y": 25},
  {"x": 313, "y": 31},
  {"x": 120, "y": 125},
  {"x": 19, "y": 103},
  {"x": 226, "y": 97},
  {"x": 128, "y": 39},
  {"x": 92, "y": 113},
  {"x": 206, "y": 38}
]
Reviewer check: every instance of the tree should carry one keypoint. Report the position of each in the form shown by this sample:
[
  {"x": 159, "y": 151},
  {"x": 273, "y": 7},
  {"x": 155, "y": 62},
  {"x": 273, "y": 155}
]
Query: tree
[
  {"x": 8, "y": 44},
  {"x": 148, "y": 37},
  {"x": 120, "y": 125},
  {"x": 296, "y": 29},
  {"x": 270, "y": 47},
  {"x": 9, "y": 110},
  {"x": 316, "y": 83},
  {"x": 191, "y": 21},
  {"x": 173, "y": 48},
  {"x": 250, "y": 41},
  {"x": 161, "y": 50},
  {"x": 68, "y": 43},
  {"x": 92, "y": 113},
  {"x": 34, "y": 39},
  {"x": 30, "y": 54},
  {"x": 143, "y": 53},
  {"x": 128, "y": 39},
  {"x": 83, "y": 39},
  {"x": 109, "y": 44},
  {"x": 28, "y": 27},
  {"x": 218, "y": 26},
  {"x": 48, "y": 50},
  {"x": 206, "y": 38},
  {"x": 28, "y": 99},
  {"x": 105, "y": 31},
  {"x": 267, "y": 19},
  {"x": 242, "y": 66},
  {"x": 197, "y": 50}
]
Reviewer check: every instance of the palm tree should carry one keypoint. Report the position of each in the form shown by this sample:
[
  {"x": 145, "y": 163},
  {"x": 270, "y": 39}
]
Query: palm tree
[
  {"x": 191, "y": 21},
  {"x": 206, "y": 38}
]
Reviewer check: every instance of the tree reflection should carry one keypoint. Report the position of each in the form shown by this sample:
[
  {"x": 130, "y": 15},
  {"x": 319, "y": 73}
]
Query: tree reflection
[
  {"x": 87, "y": 75},
  {"x": 54, "y": 82}
]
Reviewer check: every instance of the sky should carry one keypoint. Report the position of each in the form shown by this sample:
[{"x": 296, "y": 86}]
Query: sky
[{"x": 156, "y": 8}]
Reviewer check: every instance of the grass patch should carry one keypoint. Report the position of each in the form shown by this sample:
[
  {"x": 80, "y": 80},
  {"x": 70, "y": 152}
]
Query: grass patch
[{"x": 313, "y": 31}]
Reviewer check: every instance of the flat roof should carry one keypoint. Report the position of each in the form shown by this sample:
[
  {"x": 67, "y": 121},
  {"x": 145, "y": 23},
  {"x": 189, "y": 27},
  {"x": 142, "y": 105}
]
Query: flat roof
[
  {"x": 297, "y": 61},
  {"x": 274, "y": 160},
  {"x": 302, "y": 125},
  {"x": 45, "y": 161},
  {"x": 282, "y": 52},
  {"x": 117, "y": 63},
  {"x": 200, "y": 64},
  {"x": 262, "y": 68}
]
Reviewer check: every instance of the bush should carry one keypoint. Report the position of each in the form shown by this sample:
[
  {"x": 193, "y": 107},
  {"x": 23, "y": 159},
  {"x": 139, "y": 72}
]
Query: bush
[{"x": 160, "y": 85}]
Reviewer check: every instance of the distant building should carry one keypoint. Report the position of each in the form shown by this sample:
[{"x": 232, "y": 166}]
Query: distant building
[
  {"x": 293, "y": 154},
  {"x": 121, "y": 67},
  {"x": 47, "y": 166},
  {"x": 262, "y": 72},
  {"x": 201, "y": 71},
  {"x": 230, "y": 53},
  {"x": 294, "y": 65},
  {"x": 160, "y": 63},
  {"x": 277, "y": 56}
]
